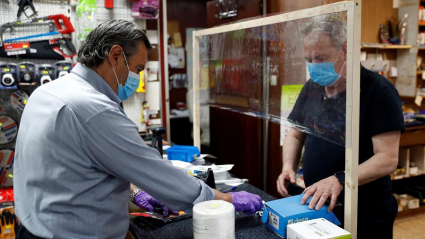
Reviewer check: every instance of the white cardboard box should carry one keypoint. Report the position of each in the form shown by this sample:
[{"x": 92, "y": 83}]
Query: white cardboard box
[{"x": 316, "y": 229}]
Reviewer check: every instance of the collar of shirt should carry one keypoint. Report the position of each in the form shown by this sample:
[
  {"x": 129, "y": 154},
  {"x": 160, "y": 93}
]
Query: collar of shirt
[{"x": 96, "y": 81}]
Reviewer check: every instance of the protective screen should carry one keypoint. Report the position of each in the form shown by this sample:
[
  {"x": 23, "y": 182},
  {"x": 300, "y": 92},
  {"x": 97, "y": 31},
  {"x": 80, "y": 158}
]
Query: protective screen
[{"x": 292, "y": 73}]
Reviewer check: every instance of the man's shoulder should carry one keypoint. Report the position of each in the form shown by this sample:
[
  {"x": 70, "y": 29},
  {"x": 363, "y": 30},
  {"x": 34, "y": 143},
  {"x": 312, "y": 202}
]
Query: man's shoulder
[
  {"x": 373, "y": 82},
  {"x": 78, "y": 95}
]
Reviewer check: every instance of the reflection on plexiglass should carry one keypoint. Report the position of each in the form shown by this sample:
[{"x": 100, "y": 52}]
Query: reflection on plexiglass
[{"x": 292, "y": 73}]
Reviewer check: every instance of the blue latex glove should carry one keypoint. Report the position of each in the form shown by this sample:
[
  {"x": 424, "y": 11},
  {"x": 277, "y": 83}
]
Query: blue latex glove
[
  {"x": 246, "y": 202},
  {"x": 147, "y": 202}
]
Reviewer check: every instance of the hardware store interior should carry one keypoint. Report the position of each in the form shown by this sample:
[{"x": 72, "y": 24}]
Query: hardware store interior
[{"x": 132, "y": 119}]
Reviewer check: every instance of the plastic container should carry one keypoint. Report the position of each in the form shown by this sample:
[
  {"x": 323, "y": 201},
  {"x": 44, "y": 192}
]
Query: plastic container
[{"x": 183, "y": 153}]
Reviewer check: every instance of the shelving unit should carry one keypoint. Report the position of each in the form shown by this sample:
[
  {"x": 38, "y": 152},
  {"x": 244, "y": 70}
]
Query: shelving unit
[{"x": 411, "y": 212}]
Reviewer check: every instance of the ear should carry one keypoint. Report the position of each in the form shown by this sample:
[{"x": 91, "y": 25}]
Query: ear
[{"x": 115, "y": 52}]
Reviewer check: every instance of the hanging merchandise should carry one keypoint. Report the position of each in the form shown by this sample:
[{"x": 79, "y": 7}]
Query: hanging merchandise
[
  {"x": 46, "y": 74},
  {"x": 9, "y": 76},
  {"x": 18, "y": 100},
  {"x": 109, "y": 4},
  {"x": 24, "y": 5},
  {"x": 6, "y": 167},
  {"x": 8, "y": 129},
  {"x": 62, "y": 68},
  {"x": 141, "y": 88},
  {"x": 57, "y": 48},
  {"x": 26, "y": 74},
  {"x": 146, "y": 9},
  {"x": 86, "y": 15},
  {"x": 145, "y": 113},
  {"x": 58, "y": 20}
]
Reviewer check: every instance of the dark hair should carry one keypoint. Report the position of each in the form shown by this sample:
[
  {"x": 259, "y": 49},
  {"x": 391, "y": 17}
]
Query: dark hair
[{"x": 113, "y": 32}]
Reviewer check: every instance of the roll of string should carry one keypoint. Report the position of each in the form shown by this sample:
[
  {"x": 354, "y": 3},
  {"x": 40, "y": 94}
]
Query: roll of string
[{"x": 214, "y": 219}]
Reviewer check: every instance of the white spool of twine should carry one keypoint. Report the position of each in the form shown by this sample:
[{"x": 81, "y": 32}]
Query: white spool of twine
[{"x": 214, "y": 219}]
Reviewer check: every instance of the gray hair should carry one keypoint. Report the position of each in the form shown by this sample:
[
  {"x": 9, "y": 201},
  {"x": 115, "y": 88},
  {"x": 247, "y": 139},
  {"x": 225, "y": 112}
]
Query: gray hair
[
  {"x": 333, "y": 25},
  {"x": 113, "y": 32}
]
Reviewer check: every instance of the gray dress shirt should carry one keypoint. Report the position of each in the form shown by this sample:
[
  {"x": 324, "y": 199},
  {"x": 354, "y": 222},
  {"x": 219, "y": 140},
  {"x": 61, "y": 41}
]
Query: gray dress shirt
[{"x": 76, "y": 154}]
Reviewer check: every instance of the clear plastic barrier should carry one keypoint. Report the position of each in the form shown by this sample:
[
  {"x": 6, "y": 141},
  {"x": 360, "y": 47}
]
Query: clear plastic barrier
[{"x": 292, "y": 73}]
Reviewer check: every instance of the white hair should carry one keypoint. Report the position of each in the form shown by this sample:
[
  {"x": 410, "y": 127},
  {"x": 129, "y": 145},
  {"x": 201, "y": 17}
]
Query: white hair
[{"x": 333, "y": 25}]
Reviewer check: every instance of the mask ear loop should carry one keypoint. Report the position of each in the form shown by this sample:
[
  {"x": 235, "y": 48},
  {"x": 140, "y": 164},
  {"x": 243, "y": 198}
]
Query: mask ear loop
[
  {"x": 341, "y": 67},
  {"x": 126, "y": 62},
  {"x": 116, "y": 77}
]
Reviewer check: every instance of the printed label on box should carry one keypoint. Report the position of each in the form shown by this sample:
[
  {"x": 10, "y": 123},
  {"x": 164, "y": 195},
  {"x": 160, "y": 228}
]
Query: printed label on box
[
  {"x": 274, "y": 220},
  {"x": 319, "y": 229}
]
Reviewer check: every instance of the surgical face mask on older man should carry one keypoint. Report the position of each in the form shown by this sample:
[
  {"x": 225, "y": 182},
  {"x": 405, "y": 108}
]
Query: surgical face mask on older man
[
  {"x": 131, "y": 84},
  {"x": 324, "y": 73},
  {"x": 325, "y": 63}
]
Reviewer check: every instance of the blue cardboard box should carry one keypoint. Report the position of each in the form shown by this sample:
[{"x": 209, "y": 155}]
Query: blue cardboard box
[{"x": 278, "y": 214}]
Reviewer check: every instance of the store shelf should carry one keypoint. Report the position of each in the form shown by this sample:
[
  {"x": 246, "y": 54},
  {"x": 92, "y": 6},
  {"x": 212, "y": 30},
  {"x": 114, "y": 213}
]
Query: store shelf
[
  {"x": 398, "y": 177},
  {"x": 411, "y": 212},
  {"x": 421, "y": 48},
  {"x": 419, "y": 72},
  {"x": 421, "y": 24},
  {"x": 382, "y": 46}
]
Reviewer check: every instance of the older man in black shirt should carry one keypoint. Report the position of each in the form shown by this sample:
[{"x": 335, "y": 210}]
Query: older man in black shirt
[{"x": 320, "y": 109}]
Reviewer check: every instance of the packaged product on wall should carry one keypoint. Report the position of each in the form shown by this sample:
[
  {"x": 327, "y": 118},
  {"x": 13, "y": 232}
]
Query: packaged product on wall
[
  {"x": 145, "y": 9},
  {"x": 86, "y": 15}
]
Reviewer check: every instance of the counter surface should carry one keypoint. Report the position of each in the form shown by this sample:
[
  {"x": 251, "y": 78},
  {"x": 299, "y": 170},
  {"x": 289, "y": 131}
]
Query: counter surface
[{"x": 246, "y": 226}]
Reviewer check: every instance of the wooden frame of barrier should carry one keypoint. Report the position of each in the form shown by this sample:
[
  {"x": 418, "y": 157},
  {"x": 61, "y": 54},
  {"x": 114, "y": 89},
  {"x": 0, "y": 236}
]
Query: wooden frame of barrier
[{"x": 353, "y": 9}]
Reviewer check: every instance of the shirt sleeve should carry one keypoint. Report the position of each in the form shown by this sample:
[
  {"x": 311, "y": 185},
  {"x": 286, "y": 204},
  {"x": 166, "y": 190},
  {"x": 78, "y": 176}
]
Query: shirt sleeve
[
  {"x": 114, "y": 144},
  {"x": 386, "y": 113}
]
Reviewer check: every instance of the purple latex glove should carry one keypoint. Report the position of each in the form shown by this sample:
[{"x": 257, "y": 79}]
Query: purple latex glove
[
  {"x": 246, "y": 202},
  {"x": 147, "y": 202}
]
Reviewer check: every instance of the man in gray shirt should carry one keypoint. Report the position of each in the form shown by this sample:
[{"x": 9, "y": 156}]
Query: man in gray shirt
[{"x": 77, "y": 152}]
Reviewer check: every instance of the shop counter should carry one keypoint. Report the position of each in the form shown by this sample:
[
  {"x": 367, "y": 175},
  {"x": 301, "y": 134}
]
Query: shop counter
[{"x": 246, "y": 226}]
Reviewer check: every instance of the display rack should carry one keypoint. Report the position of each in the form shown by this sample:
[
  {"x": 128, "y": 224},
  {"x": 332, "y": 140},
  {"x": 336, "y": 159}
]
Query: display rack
[{"x": 8, "y": 13}]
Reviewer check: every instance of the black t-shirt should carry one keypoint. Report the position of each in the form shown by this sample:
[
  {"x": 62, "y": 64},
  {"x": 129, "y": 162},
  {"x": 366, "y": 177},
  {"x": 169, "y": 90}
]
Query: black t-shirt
[{"x": 380, "y": 112}]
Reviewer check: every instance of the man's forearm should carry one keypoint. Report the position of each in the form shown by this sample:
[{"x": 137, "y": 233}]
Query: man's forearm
[
  {"x": 374, "y": 168},
  {"x": 222, "y": 196},
  {"x": 385, "y": 158},
  {"x": 292, "y": 148},
  {"x": 132, "y": 187}
]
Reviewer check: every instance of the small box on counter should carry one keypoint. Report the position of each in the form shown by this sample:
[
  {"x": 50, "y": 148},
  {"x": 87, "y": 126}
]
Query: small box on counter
[
  {"x": 317, "y": 229},
  {"x": 278, "y": 214}
]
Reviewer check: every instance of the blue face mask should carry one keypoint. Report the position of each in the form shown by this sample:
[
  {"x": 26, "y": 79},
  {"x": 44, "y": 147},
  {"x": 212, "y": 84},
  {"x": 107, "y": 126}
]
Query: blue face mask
[
  {"x": 131, "y": 85},
  {"x": 324, "y": 73}
]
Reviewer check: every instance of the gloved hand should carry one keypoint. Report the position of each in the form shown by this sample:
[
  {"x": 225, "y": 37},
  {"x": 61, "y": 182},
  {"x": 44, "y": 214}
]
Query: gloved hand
[
  {"x": 147, "y": 202},
  {"x": 246, "y": 202}
]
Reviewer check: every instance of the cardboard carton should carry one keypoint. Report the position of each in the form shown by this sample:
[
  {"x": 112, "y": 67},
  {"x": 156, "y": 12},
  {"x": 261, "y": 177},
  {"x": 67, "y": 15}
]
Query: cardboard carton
[
  {"x": 317, "y": 229},
  {"x": 278, "y": 214}
]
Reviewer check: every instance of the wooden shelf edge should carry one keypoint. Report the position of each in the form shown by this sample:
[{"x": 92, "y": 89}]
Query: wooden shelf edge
[
  {"x": 411, "y": 212},
  {"x": 407, "y": 176},
  {"x": 386, "y": 46}
]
